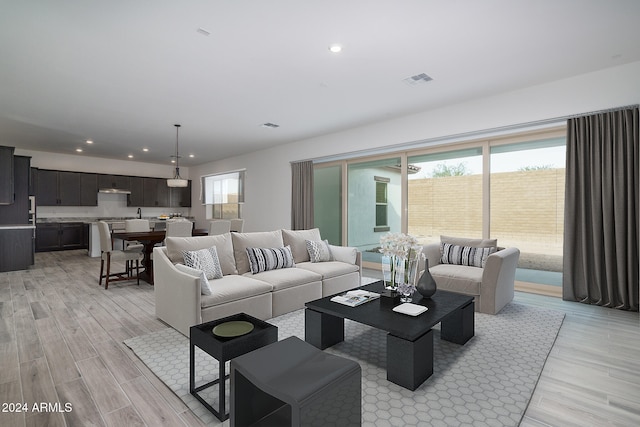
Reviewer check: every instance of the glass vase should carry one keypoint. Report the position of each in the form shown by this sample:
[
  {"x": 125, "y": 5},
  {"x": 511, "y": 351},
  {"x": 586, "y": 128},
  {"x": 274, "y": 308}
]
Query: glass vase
[
  {"x": 387, "y": 271},
  {"x": 398, "y": 275}
]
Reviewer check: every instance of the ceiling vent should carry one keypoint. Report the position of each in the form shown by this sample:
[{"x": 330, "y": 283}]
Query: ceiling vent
[
  {"x": 418, "y": 79},
  {"x": 270, "y": 125}
]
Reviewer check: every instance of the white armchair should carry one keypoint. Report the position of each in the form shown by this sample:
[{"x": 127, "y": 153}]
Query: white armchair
[{"x": 491, "y": 286}]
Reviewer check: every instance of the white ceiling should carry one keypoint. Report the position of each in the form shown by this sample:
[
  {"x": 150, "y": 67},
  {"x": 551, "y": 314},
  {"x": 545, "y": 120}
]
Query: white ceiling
[{"x": 122, "y": 72}]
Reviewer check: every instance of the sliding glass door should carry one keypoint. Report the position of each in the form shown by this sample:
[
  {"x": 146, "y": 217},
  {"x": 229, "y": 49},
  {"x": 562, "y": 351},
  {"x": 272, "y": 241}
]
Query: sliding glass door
[
  {"x": 510, "y": 188},
  {"x": 445, "y": 194},
  {"x": 374, "y": 204},
  {"x": 527, "y": 205},
  {"x": 327, "y": 202}
]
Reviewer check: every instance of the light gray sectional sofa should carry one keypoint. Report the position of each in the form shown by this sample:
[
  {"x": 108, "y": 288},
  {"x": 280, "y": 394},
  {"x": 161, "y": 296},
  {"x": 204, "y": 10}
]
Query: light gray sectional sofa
[
  {"x": 492, "y": 286},
  {"x": 180, "y": 303}
]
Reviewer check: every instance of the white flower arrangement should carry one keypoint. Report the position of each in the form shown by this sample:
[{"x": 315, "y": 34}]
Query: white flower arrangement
[
  {"x": 399, "y": 245},
  {"x": 403, "y": 252}
]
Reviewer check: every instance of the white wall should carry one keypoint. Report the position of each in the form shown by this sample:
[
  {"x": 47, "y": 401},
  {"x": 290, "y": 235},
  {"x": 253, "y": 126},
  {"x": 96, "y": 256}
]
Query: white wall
[{"x": 268, "y": 184}]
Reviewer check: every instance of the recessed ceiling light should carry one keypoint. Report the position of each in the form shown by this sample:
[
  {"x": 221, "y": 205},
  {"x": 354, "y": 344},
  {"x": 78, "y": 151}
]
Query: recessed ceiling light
[
  {"x": 270, "y": 125},
  {"x": 130, "y": 156},
  {"x": 79, "y": 150},
  {"x": 89, "y": 141},
  {"x": 335, "y": 48},
  {"x": 145, "y": 149},
  {"x": 192, "y": 155},
  {"x": 173, "y": 161}
]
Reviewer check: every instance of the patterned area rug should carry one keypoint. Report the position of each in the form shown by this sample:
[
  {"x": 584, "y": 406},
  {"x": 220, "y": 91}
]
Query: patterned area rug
[{"x": 488, "y": 381}]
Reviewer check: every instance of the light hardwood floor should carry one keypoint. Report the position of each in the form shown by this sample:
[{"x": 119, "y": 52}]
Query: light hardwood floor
[{"x": 61, "y": 341}]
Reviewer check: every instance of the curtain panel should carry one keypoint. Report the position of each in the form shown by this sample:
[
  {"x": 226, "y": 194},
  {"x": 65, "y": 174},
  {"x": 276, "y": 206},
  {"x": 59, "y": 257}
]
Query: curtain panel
[
  {"x": 602, "y": 227},
  {"x": 302, "y": 195}
]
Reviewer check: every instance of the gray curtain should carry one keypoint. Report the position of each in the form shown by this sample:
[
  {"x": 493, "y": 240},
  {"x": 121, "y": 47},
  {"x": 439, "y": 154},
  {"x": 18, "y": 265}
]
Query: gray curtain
[
  {"x": 602, "y": 230},
  {"x": 302, "y": 195}
]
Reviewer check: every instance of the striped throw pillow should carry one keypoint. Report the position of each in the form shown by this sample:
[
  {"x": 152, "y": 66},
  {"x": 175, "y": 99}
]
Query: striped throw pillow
[
  {"x": 265, "y": 259},
  {"x": 465, "y": 255}
]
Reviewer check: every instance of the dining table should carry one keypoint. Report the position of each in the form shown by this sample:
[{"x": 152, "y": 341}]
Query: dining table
[{"x": 148, "y": 239}]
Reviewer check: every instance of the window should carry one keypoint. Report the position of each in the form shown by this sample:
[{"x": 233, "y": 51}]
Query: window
[
  {"x": 223, "y": 195},
  {"x": 381, "y": 203}
]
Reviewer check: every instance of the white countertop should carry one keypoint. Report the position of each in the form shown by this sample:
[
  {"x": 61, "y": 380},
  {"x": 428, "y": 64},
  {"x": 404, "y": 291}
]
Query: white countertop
[{"x": 16, "y": 226}]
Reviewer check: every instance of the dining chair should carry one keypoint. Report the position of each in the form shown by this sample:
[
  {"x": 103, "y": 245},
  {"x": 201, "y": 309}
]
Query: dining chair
[
  {"x": 237, "y": 224},
  {"x": 179, "y": 228},
  {"x": 108, "y": 254},
  {"x": 133, "y": 226},
  {"x": 136, "y": 225},
  {"x": 219, "y": 226}
]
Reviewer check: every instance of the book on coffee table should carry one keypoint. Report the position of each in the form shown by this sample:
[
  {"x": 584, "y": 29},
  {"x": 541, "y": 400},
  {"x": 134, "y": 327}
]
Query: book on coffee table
[{"x": 355, "y": 297}]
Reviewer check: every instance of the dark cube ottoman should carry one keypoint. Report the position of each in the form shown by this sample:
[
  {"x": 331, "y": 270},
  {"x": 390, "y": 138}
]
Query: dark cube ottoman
[{"x": 292, "y": 383}]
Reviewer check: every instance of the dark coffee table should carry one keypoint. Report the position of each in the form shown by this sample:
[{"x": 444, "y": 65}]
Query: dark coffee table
[
  {"x": 409, "y": 339},
  {"x": 201, "y": 336}
]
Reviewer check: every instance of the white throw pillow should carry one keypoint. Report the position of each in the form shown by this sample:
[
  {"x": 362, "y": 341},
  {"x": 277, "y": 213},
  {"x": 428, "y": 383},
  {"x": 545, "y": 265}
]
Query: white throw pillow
[
  {"x": 319, "y": 251},
  {"x": 205, "y": 287},
  {"x": 344, "y": 254},
  {"x": 205, "y": 260}
]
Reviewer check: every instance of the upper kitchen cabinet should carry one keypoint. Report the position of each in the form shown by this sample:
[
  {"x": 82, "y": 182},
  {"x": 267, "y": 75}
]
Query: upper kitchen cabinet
[
  {"x": 136, "y": 198},
  {"x": 114, "y": 182},
  {"x": 6, "y": 175},
  {"x": 61, "y": 188},
  {"x": 68, "y": 189},
  {"x": 88, "y": 189},
  {"x": 46, "y": 187},
  {"x": 18, "y": 211},
  {"x": 156, "y": 192},
  {"x": 180, "y": 197}
]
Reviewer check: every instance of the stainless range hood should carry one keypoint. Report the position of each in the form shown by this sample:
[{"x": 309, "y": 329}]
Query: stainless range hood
[{"x": 114, "y": 191}]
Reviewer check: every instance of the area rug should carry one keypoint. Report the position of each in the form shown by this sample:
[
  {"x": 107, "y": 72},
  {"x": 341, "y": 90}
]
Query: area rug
[{"x": 488, "y": 381}]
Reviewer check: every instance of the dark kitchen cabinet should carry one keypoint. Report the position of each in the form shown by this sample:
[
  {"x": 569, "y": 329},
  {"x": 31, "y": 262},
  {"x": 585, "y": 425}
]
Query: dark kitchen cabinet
[
  {"x": 136, "y": 198},
  {"x": 68, "y": 188},
  {"x": 56, "y": 236},
  {"x": 72, "y": 235},
  {"x": 6, "y": 175},
  {"x": 62, "y": 188},
  {"x": 118, "y": 182},
  {"x": 33, "y": 182},
  {"x": 46, "y": 187},
  {"x": 156, "y": 192},
  {"x": 180, "y": 197},
  {"x": 88, "y": 189},
  {"x": 18, "y": 211},
  {"x": 16, "y": 245}
]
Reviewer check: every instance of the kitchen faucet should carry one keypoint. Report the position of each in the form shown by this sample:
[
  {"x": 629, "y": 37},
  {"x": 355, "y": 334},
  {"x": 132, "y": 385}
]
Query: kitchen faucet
[{"x": 139, "y": 213}]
